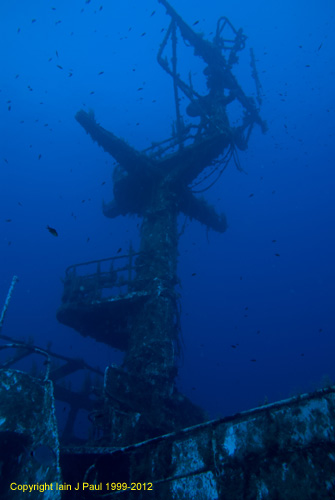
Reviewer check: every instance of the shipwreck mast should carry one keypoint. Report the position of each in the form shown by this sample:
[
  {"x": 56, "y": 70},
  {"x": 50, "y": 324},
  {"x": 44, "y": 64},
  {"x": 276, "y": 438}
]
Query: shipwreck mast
[{"x": 141, "y": 399}]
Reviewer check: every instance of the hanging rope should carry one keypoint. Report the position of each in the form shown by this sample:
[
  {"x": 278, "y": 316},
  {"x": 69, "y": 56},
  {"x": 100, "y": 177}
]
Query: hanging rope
[{"x": 223, "y": 163}]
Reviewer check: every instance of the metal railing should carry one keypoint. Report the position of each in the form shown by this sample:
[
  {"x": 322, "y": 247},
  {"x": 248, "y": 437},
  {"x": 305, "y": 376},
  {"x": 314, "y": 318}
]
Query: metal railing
[{"x": 91, "y": 280}]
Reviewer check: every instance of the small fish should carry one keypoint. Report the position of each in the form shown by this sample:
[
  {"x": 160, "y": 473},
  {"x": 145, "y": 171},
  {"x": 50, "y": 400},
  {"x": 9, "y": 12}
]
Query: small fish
[
  {"x": 18, "y": 30},
  {"x": 33, "y": 20},
  {"x": 319, "y": 47},
  {"x": 251, "y": 195},
  {"x": 143, "y": 34},
  {"x": 56, "y": 53},
  {"x": 52, "y": 231},
  {"x": 140, "y": 88},
  {"x": 39, "y": 156},
  {"x": 253, "y": 360},
  {"x": 59, "y": 66},
  {"x": 195, "y": 23},
  {"x": 8, "y": 220},
  {"x": 193, "y": 274},
  {"x": 88, "y": 239},
  {"x": 233, "y": 346},
  {"x": 277, "y": 254},
  {"x": 119, "y": 250},
  {"x": 152, "y": 13},
  {"x": 101, "y": 73},
  {"x": 274, "y": 241}
]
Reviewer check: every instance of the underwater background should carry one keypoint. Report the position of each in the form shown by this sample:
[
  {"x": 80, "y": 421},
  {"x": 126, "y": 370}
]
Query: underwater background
[{"x": 257, "y": 301}]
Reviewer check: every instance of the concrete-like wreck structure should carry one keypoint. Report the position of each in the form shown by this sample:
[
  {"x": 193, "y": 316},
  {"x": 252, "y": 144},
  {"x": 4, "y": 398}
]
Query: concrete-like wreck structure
[{"x": 149, "y": 439}]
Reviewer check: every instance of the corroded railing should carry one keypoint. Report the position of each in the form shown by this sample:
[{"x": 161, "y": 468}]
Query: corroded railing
[{"x": 90, "y": 280}]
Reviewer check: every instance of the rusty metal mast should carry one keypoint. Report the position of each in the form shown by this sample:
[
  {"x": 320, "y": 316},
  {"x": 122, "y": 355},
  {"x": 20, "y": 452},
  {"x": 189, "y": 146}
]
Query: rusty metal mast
[{"x": 141, "y": 397}]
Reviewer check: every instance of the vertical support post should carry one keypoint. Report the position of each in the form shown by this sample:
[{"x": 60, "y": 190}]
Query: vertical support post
[
  {"x": 175, "y": 86},
  {"x": 9, "y": 296},
  {"x": 130, "y": 264},
  {"x": 151, "y": 353}
]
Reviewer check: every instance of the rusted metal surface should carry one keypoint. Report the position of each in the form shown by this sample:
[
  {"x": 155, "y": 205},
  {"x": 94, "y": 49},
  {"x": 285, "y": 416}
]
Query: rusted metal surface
[
  {"x": 284, "y": 450},
  {"x": 29, "y": 447}
]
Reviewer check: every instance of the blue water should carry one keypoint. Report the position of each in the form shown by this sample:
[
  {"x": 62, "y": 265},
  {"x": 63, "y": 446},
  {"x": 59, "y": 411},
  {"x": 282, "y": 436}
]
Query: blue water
[{"x": 276, "y": 310}]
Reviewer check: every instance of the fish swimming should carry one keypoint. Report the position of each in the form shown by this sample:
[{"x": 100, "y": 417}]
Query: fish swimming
[{"x": 52, "y": 231}]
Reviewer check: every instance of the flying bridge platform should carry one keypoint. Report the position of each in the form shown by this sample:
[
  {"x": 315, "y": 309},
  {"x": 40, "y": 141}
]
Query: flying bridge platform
[{"x": 99, "y": 299}]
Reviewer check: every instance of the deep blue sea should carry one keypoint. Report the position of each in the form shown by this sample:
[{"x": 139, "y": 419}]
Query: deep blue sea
[{"x": 258, "y": 321}]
